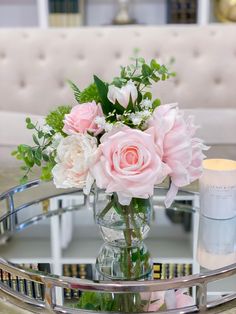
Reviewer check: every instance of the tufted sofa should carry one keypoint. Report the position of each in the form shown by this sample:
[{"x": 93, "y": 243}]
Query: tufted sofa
[{"x": 34, "y": 66}]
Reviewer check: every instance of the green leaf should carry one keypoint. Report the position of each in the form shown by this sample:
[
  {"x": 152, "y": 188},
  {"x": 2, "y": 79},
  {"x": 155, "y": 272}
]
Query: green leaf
[
  {"x": 24, "y": 179},
  {"x": 146, "y": 70},
  {"x": 38, "y": 153},
  {"x": 14, "y": 152},
  {"x": 40, "y": 134},
  {"x": 147, "y": 95},
  {"x": 38, "y": 162},
  {"x": 141, "y": 60},
  {"x": 28, "y": 120},
  {"x": 156, "y": 103},
  {"x": 102, "y": 88},
  {"x": 29, "y": 162},
  {"x": 163, "y": 77},
  {"x": 130, "y": 106},
  {"x": 46, "y": 174},
  {"x": 155, "y": 78},
  {"x": 35, "y": 139},
  {"x": 140, "y": 97},
  {"x": 76, "y": 90},
  {"x": 30, "y": 126},
  {"x": 45, "y": 157},
  {"x": 154, "y": 65}
]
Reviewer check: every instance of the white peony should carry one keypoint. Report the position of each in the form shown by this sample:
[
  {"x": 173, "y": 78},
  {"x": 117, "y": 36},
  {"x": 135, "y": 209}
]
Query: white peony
[
  {"x": 75, "y": 154},
  {"x": 123, "y": 94}
]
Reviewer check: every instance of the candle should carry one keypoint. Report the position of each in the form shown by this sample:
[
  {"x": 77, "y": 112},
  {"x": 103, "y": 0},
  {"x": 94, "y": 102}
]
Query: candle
[
  {"x": 218, "y": 188},
  {"x": 217, "y": 224}
]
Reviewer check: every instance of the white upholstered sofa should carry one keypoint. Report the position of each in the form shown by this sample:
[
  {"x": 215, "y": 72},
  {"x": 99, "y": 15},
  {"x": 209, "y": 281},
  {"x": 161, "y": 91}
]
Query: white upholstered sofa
[{"x": 34, "y": 66}]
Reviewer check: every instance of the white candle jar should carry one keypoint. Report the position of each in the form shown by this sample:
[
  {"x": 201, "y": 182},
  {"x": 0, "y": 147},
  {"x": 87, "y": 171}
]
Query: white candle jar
[{"x": 217, "y": 224}]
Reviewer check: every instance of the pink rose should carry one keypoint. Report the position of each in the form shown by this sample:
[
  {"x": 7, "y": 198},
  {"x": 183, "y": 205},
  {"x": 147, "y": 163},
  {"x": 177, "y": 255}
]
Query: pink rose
[
  {"x": 129, "y": 164},
  {"x": 82, "y": 119},
  {"x": 178, "y": 148}
]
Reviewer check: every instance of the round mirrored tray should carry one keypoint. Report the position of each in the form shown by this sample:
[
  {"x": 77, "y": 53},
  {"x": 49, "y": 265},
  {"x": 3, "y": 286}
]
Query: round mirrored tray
[{"x": 49, "y": 243}]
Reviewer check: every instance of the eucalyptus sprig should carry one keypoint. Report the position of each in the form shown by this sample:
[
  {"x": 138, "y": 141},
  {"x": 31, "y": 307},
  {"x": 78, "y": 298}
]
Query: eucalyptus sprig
[
  {"x": 143, "y": 73},
  {"x": 40, "y": 154}
]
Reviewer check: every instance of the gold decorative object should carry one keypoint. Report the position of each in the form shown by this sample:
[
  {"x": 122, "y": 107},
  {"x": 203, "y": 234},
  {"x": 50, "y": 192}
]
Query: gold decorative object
[{"x": 225, "y": 10}]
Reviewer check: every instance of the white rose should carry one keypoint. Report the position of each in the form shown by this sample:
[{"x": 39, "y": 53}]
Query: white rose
[
  {"x": 75, "y": 154},
  {"x": 123, "y": 94}
]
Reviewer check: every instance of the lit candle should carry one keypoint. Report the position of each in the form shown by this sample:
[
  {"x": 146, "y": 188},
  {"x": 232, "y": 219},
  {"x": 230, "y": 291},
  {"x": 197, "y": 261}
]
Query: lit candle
[{"x": 217, "y": 225}]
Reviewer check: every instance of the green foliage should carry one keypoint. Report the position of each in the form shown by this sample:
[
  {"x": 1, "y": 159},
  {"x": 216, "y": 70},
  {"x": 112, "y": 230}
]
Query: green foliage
[
  {"x": 36, "y": 155},
  {"x": 111, "y": 302},
  {"x": 90, "y": 94},
  {"x": 75, "y": 89},
  {"x": 55, "y": 118}
]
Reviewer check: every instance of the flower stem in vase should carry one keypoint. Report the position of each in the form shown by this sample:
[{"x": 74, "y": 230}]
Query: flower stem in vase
[{"x": 124, "y": 256}]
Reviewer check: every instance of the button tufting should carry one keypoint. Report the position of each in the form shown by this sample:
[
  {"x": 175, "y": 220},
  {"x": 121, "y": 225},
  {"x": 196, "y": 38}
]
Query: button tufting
[
  {"x": 213, "y": 33},
  {"x": 99, "y": 34},
  {"x": 61, "y": 84},
  {"x": 80, "y": 56},
  {"x": 42, "y": 56},
  {"x": 196, "y": 53},
  {"x": 25, "y": 35},
  {"x": 137, "y": 34},
  {"x": 22, "y": 83},
  {"x": 62, "y": 35},
  {"x": 2, "y": 55},
  {"x": 175, "y": 34},
  {"x": 118, "y": 55},
  {"x": 176, "y": 82},
  {"x": 217, "y": 80},
  {"x": 157, "y": 55}
]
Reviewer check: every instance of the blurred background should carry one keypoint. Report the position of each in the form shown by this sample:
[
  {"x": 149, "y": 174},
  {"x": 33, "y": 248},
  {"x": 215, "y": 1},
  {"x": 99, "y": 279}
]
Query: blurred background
[{"x": 70, "y": 13}]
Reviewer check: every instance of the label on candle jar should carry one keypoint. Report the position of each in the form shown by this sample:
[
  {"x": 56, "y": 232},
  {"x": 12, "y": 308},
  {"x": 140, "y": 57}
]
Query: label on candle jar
[{"x": 218, "y": 201}]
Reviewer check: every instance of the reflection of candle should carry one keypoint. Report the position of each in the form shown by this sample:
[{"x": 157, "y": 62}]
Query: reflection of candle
[
  {"x": 217, "y": 227},
  {"x": 216, "y": 242},
  {"x": 218, "y": 188}
]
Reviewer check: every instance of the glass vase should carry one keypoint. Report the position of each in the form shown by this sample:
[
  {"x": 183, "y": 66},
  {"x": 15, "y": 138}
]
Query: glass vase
[{"x": 124, "y": 256}]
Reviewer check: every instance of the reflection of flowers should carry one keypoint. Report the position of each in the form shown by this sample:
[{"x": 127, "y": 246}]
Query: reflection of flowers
[
  {"x": 179, "y": 149},
  {"x": 170, "y": 299},
  {"x": 129, "y": 164},
  {"x": 75, "y": 154}
]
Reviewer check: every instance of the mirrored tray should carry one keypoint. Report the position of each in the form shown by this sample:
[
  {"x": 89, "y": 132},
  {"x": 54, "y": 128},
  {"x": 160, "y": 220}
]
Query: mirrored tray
[{"x": 45, "y": 231}]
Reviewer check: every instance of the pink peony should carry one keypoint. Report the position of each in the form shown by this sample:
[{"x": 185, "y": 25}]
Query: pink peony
[
  {"x": 129, "y": 164},
  {"x": 177, "y": 147},
  {"x": 82, "y": 119},
  {"x": 75, "y": 154}
]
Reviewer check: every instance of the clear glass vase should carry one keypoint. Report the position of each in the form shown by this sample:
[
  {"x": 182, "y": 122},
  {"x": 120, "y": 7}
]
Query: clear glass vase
[{"x": 124, "y": 256}]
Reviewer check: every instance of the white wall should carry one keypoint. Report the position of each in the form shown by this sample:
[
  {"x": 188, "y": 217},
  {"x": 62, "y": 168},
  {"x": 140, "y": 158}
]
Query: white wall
[{"x": 15, "y": 13}]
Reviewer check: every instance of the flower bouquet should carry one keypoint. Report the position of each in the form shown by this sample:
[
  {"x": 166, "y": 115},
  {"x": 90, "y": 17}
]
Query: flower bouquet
[{"x": 119, "y": 139}]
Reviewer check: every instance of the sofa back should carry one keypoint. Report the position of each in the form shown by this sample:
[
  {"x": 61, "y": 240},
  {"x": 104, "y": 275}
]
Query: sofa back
[{"x": 35, "y": 64}]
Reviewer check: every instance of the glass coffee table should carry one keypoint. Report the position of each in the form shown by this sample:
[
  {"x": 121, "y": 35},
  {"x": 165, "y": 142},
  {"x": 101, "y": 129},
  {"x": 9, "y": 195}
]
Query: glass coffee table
[{"x": 49, "y": 243}]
